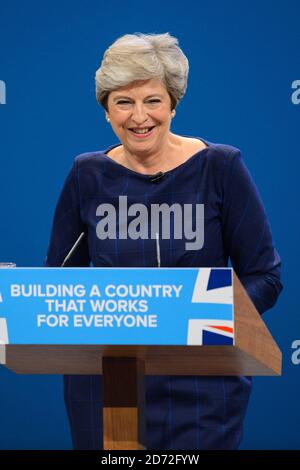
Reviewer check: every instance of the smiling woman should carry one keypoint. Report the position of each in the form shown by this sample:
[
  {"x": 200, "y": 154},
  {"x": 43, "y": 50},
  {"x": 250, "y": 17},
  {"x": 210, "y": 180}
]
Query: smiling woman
[
  {"x": 142, "y": 123},
  {"x": 139, "y": 84}
]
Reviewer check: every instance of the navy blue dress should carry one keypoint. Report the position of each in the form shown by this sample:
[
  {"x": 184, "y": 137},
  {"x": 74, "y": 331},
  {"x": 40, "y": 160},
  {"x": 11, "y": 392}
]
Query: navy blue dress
[{"x": 182, "y": 412}]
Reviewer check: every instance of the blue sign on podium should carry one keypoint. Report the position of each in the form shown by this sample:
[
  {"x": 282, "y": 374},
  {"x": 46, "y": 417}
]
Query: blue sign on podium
[{"x": 117, "y": 306}]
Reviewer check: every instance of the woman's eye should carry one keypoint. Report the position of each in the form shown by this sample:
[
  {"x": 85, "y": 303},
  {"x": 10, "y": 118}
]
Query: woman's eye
[{"x": 126, "y": 102}]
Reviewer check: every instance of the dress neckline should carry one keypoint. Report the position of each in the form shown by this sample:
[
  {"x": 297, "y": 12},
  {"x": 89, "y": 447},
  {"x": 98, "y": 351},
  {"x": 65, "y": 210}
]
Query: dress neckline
[{"x": 143, "y": 175}]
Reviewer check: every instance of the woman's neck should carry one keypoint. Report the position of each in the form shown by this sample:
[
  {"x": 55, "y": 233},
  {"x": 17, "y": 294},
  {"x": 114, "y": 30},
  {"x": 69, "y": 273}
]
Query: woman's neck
[{"x": 161, "y": 159}]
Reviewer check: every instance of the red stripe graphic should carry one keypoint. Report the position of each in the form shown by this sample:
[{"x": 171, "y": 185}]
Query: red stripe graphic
[{"x": 223, "y": 328}]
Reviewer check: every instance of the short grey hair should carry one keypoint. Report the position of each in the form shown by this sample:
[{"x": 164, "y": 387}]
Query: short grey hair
[{"x": 140, "y": 56}]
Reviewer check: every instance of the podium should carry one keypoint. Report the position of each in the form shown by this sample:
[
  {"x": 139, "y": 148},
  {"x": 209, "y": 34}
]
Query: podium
[{"x": 246, "y": 349}]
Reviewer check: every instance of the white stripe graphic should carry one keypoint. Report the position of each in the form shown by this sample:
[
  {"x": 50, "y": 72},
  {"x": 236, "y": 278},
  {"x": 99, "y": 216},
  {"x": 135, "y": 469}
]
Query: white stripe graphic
[
  {"x": 195, "y": 329},
  {"x": 221, "y": 295}
]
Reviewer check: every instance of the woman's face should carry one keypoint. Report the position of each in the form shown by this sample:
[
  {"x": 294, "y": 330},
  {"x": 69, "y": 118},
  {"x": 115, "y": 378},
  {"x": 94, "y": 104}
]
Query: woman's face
[{"x": 140, "y": 115}]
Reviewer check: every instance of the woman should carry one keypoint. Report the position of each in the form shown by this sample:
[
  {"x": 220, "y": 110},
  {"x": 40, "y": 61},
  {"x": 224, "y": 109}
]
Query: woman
[{"x": 139, "y": 84}]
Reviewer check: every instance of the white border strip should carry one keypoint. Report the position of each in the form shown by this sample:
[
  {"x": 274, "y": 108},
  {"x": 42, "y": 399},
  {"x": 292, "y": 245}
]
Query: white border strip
[{"x": 3, "y": 340}]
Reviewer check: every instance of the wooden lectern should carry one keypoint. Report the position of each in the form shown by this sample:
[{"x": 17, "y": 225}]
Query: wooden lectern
[{"x": 123, "y": 367}]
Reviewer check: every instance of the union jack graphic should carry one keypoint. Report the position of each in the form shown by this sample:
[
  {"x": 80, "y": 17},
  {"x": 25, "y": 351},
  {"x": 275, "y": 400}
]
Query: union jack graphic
[{"x": 212, "y": 286}]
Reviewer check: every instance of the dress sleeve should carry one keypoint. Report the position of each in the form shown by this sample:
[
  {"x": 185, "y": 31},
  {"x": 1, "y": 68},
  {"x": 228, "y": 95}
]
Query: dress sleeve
[
  {"x": 67, "y": 226},
  {"x": 247, "y": 236}
]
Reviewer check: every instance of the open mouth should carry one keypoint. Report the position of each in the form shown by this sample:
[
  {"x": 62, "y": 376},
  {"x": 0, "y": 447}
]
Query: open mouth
[{"x": 142, "y": 132}]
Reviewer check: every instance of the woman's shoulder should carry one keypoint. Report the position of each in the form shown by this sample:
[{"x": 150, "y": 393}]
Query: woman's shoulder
[
  {"x": 216, "y": 154},
  {"x": 88, "y": 159},
  {"x": 199, "y": 143},
  {"x": 226, "y": 150}
]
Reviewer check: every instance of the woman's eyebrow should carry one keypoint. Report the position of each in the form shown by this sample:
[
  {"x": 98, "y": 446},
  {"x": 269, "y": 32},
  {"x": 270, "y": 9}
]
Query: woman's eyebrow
[{"x": 157, "y": 95}]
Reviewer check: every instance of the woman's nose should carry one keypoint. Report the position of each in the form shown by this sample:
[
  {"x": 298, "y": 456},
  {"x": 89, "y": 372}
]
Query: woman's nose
[{"x": 139, "y": 114}]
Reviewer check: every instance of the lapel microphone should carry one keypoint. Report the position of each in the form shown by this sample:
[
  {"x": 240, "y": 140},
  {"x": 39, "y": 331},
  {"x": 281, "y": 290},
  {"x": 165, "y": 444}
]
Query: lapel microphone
[{"x": 157, "y": 177}]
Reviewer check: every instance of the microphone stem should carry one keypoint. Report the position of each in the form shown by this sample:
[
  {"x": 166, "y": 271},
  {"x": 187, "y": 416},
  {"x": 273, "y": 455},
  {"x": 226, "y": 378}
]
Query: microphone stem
[
  {"x": 72, "y": 249},
  {"x": 157, "y": 250}
]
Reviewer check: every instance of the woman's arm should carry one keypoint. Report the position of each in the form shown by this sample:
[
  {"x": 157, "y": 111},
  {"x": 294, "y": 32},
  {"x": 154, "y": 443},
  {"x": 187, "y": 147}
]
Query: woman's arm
[
  {"x": 247, "y": 236},
  {"x": 67, "y": 226}
]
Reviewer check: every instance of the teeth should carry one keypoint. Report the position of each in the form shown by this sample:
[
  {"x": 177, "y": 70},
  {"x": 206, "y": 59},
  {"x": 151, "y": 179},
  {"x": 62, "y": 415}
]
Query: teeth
[{"x": 141, "y": 131}]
